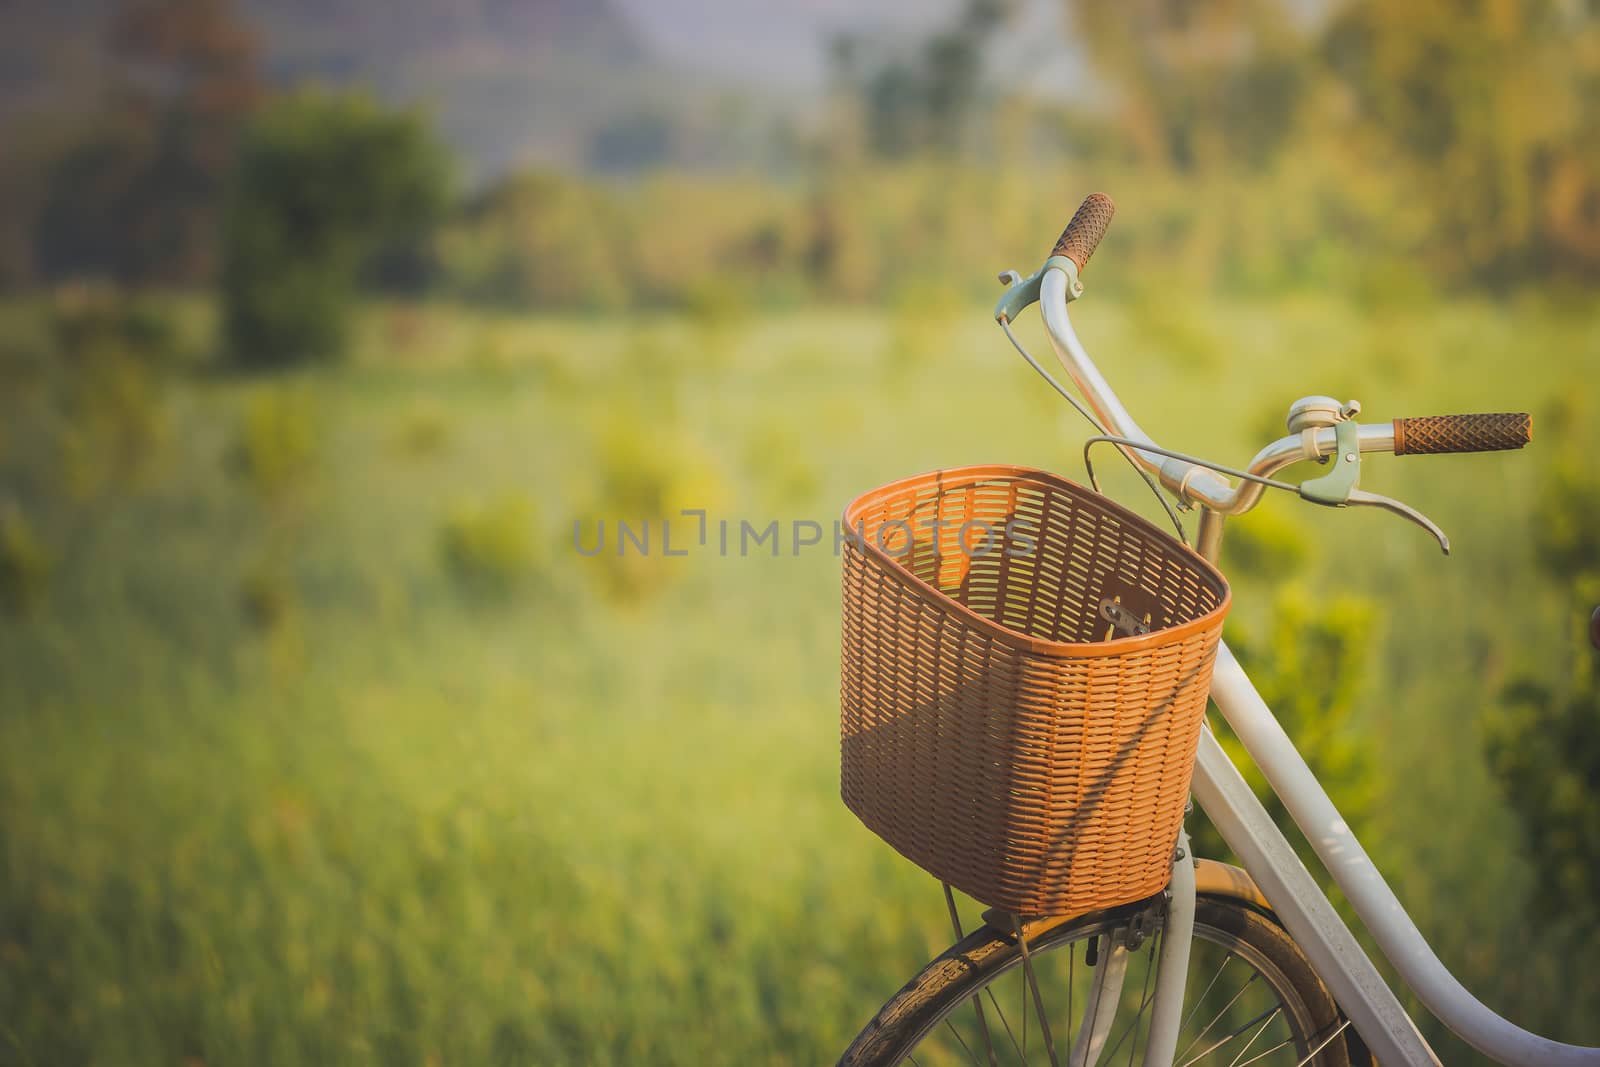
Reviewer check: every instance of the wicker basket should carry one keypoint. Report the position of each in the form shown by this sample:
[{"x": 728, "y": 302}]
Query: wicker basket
[{"x": 991, "y": 732}]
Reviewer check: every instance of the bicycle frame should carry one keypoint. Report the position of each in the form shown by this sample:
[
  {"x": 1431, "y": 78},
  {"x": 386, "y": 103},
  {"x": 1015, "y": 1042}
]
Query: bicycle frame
[{"x": 1233, "y": 808}]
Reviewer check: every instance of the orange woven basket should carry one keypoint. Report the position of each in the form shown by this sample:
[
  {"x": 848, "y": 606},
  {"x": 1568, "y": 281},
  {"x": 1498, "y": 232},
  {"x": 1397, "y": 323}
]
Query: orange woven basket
[{"x": 992, "y": 733}]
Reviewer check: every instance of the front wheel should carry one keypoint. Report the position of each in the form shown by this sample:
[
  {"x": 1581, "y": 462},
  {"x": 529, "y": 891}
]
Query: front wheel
[{"x": 1251, "y": 997}]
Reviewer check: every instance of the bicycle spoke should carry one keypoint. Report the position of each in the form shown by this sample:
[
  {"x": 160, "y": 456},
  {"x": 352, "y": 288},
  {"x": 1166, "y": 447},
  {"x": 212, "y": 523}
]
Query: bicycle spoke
[
  {"x": 1218, "y": 1018},
  {"x": 1286, "y": 1041},
  {"x": 1032, "y": 980},
  {"x": 983, "y": 1030},
  {"x": 1235, "y": 1033},
  {"x": 1201, "y": 999},
  {"x": 1324, "y": 1043},
  {"x": 957, "y": 1034},
  {"x": 1260, "y": 1030},
  {"x": 1006, "y": 1023}
]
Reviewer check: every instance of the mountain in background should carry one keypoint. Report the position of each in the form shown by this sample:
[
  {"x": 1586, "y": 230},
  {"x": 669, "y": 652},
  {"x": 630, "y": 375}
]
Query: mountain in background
[
  {"x": 508, "y": 81},
  {"x": 339, "y": 38},
  {"x": 571, "y": 83}
]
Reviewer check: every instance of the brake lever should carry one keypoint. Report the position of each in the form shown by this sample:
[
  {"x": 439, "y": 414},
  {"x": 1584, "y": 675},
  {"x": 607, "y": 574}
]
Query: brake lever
[
  {"x": 1337, "y": 489},
  {"x": 1361, "y": 497}
]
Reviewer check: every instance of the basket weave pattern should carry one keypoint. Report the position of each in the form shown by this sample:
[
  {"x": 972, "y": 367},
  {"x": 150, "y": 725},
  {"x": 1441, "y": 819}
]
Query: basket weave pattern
[{"x": 991, "y": 733}]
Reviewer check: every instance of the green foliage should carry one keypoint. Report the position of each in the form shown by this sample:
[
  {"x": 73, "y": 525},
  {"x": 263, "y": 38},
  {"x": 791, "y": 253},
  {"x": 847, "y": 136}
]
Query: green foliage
[
  {"x": 1174, "y": 328},
  {"x": 864, "y": 232},
  {"x": 489, "y": 546},
  {"x": 1542, "y": 742},
  {"x": 1566, "y": 519},
  {"x": 1543, "y": 748},
  {"x": 1482, "y": 106},
  {"x": 1309, "y": 665},
  {"x": 1267, "y": 546},
  {"x": 25, "y": 564},
  {"x": 1309, "y": 662},
  {"x": 697, "y": 242},
  {"x": 1199, "y": 89},
  {"x": 323, "y": 183},
  {"x": 923, "y": 317},
  {"x": 780, "y": 465},
  {"x": 646, "y": 474},
  {"x": 717, "y": 309},
  {"x": 266, "y": 595},
  {"x": 423, "y": 431},
  {"x": 112, "y": 399},
  {"x": 84, "y": 383},
  {"x": 278, "y": 444},
  {"x": 537, "y": 239}
]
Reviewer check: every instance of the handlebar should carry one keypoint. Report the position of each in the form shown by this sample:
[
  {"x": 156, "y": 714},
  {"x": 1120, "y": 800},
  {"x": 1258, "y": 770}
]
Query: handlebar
[
  {"x": 1078, "y": 241},
  {"x": 1196, "y": 484},
  {"x": 1496, "y": 432}
]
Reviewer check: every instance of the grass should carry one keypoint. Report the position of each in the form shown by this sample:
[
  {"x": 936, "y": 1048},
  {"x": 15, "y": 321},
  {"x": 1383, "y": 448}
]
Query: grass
[{"x": 401, "y": 823}]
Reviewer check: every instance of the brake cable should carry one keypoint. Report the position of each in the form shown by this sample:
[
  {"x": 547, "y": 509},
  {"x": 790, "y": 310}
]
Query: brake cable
[{"x": 1005, "y": 325}]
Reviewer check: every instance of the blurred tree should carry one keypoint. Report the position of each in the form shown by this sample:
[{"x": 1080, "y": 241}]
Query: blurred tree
[
  {"x": 1567, "y": 522},
  {"x": 1543, "y": 742},
  {"x": 923, "y": 100},
  {"x": 323, "y": 183},
  {"x": 112, "y": 352},
  {"x": 25, "y": 564},
  {"x": 538, "y": 239},
  {"x": 136, "y": 198},
  {"x": 1490, "y": 108},
  {"x": 1308, "y": 663},
  {"x": 488, "y": 547},
  {"x": 1308, "y": 658},
  {"x": 81, "y": 229},
  {"x": 632, "y": 143},
  {"x": 1198, "y": 85},
  {"x": 1543, "y": 747},
  {"x": 31, "y": 148}
]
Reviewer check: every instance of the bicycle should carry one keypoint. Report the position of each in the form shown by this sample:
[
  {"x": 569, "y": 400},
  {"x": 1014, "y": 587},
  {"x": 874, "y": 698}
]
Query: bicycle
[{"x": 1280, "y": 976}]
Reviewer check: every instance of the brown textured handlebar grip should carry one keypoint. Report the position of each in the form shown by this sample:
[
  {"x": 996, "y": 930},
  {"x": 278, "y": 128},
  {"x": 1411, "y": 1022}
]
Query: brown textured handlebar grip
[
  {"x": 1088, "y": 225},
  {"x": 1462, "y": 433}
]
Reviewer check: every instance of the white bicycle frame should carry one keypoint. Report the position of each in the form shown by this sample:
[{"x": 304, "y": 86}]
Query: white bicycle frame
[{"x": 1238, "y": 815}]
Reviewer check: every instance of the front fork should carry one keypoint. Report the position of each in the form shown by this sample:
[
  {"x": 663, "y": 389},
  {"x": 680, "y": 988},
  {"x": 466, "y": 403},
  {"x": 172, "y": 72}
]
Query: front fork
[
  {"x": 1166, "y": 1004},
  {"x": 1166, "y": 1009}
]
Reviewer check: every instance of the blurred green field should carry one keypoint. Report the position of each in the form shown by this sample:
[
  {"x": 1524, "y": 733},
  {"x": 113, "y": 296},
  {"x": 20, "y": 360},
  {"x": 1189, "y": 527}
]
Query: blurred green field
[{"x": 282, "y": 781}]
